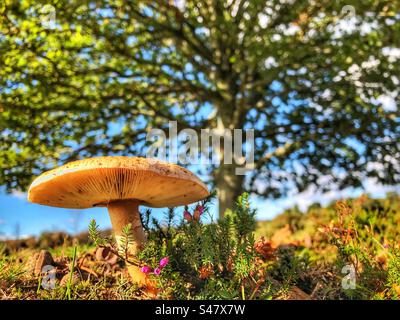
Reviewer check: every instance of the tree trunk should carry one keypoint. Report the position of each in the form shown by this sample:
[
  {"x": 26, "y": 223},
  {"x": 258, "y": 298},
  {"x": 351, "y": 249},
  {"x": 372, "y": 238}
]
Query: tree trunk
[
  {"x": 228, "y": 183},
  {"x": 229, "y": 186}
]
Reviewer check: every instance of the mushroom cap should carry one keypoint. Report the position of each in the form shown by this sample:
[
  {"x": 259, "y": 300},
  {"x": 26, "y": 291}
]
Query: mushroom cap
[{"x": 99, "y": 181}]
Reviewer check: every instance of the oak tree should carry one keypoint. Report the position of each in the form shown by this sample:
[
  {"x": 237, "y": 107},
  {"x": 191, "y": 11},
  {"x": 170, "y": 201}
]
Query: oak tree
[{"x": 317, "y": 80}]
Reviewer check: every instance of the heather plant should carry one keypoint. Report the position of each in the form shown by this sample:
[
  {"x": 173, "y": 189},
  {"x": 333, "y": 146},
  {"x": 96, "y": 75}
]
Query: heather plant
[
  {"x": 191, "y": 256},
  {"x": 215, "y": 260},
  {"x": 393, "y": 275},
  {"x": 358, "y": 234},
  {"x": 319, "y": 245}
]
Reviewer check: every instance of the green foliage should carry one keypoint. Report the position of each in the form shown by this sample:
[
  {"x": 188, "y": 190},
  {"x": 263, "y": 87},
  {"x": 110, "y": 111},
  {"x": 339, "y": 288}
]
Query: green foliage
[
  {"x": 71, "y": 274},
  {"x": 126, "y": 240},
  {"x": 111, "y": 69},
  {"x": 371, "y": 255},
  {"x": 94, "y": 234},
  {"x": 290, "y": 266},
  {"x": 361, "y": 233},
  {"x": 207, "y": 261},
  {"x": 10, "y": 272},
  {"x": 393, "y": 274},
  {"x": 243, "y": 218},
  {"x": 216, "y": 260}
]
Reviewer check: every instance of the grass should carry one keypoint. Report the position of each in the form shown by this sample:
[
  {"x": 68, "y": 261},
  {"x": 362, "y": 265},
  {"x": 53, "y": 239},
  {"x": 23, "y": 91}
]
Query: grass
[
  {"x": 71, "y": 274},
  {"x": 294, "y": 256}
]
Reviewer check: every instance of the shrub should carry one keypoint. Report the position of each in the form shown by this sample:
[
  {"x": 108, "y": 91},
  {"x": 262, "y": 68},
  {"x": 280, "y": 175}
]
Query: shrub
[
  {"x": 214, "y": 260},
  {"x": 362, "y": 243}
]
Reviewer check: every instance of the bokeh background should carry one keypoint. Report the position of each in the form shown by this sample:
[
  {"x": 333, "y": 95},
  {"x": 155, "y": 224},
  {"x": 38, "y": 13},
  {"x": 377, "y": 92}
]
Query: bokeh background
[{"x": 317, "y": 80}]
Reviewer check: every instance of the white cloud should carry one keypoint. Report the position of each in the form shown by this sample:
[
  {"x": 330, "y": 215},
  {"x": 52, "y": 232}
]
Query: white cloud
[
  {"x": 21, "y": 237},
  {"x": 370, "y": 186},
  {"x": 19, "y": 194},
  {"x": 267, "y": 209},
  {"x": 377, "y": 189}
]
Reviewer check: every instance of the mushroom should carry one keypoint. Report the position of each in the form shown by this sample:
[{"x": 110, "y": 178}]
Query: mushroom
[{"x": 121, "y": 184}]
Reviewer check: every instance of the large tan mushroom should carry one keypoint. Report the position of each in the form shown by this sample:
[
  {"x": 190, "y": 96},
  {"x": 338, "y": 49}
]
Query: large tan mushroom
[{"x": 121, "y": 184}]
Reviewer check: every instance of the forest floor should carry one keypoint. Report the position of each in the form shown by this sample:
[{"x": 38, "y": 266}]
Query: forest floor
[{"x": 347, "y": 250}]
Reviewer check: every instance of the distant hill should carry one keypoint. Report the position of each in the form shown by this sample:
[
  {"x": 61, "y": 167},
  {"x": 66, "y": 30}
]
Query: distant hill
[
  {"x": 291, "y": 226},
  {"x": 302, "y": 228}
]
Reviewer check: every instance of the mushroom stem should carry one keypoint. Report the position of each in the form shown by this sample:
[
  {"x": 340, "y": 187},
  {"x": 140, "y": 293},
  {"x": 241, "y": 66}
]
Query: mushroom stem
[{"x": 122, "y": 213}]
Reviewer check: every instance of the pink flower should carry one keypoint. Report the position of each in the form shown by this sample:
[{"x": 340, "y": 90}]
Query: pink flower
[
  {"x": 187, "y": 216},
  {"x": 200, "y": 209},
  {"x": 198, "y": 212},
  {"x": 164, "y": 262},
  {"x": 157, "y": 271},
  {"x": 145, "y": 269}
]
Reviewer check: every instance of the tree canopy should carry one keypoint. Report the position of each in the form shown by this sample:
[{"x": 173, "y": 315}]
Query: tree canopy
[{"x": 311, "y": 77}]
